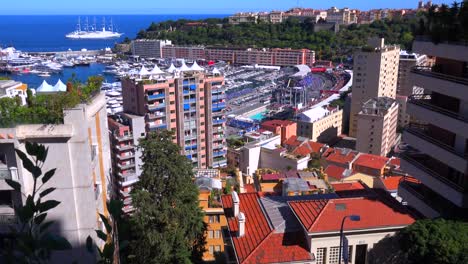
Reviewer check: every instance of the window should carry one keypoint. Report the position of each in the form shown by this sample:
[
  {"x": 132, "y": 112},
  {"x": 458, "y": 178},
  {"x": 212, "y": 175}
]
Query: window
[
  {"x": 213, "y": 218},
  {"x": 217, "y": 234},
  {"x": 321, "y": 255},
  {"x": 211, "y": 250},
  {"x": 217, "y": 248},
  {"x": 172, "y": 111},
  {"x": 210, "y": 234}
]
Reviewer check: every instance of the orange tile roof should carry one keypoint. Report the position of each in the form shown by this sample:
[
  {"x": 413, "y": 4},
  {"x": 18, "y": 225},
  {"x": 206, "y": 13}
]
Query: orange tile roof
[
  {"x": 256, "y": 224},
  {"x": 292, "y": 141},
  {"x": 392, "y": 182},
  {"x": 347, "y": 186},
  {"x": 260, "y": 244},
  {"x": 371, "y": 161},
  {"x": 307, "y": 148},
  {"x": 323, "y": 216},
  {"x": 337, "y": 156},
  {"x": 277, "y": 123},
  {"x": 335, "y": 172},
  {"x": 250, "y": 188}
]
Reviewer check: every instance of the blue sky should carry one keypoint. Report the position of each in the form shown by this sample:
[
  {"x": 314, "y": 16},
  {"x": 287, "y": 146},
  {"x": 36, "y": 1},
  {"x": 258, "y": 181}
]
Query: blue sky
[{"x": 26, "y": 7}]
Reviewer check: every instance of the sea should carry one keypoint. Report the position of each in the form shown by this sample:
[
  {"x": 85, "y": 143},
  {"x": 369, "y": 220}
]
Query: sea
[{"x": 47, "y": 33}]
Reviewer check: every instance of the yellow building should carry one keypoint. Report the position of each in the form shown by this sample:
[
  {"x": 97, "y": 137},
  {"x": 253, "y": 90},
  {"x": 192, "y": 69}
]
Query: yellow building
[
  {"x": 215, "y": 221},
  {"x": 320, "y": 124}
]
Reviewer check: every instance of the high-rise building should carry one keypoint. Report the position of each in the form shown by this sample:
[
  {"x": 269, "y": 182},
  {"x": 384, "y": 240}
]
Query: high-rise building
[
  {"x": 377, "y": 121},
  {"x": 79, "y": 150},
  {"x": 437, "y": 156},
  {"x": 124, "y": 132},
  {"x": 190, "y": 103},
  {"x": 375, "y": 75},
  {"x": 405, "y": 87},
  {"x": 151, "y": 48}
]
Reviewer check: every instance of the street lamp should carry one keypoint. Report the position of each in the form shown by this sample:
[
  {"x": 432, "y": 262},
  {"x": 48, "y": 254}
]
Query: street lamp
[{"x": 352, "y": 218}]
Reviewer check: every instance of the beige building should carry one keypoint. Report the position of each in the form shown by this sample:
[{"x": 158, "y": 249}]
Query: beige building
[
  {"x": 440, "y": 162},
  {"x": 320, "y": 124},
  {"x": 375, "y": 75},
  {"x": 247, "y": 17},
  {"x": 377, "y": 121},
  {"x": 343, "y": 16},
  {"x": 405, "y": 88},
  {"x": 79, "y": 150},
  {"x": 148, "y": 47}
]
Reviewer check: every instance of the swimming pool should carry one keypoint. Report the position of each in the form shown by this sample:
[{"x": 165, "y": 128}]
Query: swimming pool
[{"x": 258, "y": 116}]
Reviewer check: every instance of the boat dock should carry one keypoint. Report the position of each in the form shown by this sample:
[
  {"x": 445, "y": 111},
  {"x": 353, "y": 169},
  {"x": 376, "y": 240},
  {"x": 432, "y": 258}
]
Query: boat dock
[{"x": 69, "y": 53}]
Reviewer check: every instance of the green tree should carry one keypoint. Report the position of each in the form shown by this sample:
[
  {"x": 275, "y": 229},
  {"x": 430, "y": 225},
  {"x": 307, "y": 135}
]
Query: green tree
[
  {"x": 435, "y": 241},
  {"x": 31, "y": 240},
  {"x": 167, "y": 226}
]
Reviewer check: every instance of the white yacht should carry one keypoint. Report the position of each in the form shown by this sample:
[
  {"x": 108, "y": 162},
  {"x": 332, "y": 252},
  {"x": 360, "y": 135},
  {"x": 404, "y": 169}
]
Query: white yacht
[{"x": 93, "y": 32}]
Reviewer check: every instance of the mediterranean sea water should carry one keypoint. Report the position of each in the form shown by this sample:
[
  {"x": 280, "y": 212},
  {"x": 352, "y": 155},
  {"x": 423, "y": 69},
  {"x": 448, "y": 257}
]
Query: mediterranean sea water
[{"x": 47, "y": 33}]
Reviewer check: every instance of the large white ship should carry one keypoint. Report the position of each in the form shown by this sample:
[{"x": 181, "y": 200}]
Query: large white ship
[{"x": 92, "y": 32}]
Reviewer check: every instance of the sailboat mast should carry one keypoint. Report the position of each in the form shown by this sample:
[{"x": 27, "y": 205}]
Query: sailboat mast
[
  {"x": 104, "y": 24},
  {"x": 79, "y": 24}
]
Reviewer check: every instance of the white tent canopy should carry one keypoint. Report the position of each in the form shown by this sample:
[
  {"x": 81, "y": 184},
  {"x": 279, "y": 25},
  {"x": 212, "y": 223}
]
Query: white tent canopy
[
  {"x": 171, "y": 68},
  {"x": 60, "y": 86},
  {"x": 143, "y": 71},
  {"x": 196, "y": 67},
  {"x": 184, "y": 67},
  {"x": 45, "y": 87},
  {"x": 156, "y": 70}
]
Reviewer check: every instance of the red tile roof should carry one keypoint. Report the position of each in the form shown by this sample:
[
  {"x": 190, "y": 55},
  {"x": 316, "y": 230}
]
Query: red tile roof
[
  {"x": 392, "y": 182},
  {"x": 308, "y": 147},
  {"x": 260, "y": 244},
  {"x": 347, "y": 186},
  {"x": 337, "y": 156},
  {"x": 335, "y": 172},
  {"x": 250, "y": 188},
  {"x": 323, "y": 215},
  {"x": 292, "y": 141},
  {"x": 256, "y": 224},
  {"x": 277, "y": 123},
  {"x": 371, "y": 161},
  {"x": 272, "y": 177},
  {"x": 279, "y": 248}
]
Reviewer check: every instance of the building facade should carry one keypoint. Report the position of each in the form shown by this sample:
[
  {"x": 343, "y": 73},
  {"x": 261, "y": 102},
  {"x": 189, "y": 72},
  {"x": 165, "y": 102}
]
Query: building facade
[
  {"x": 377, "y": 125},
  {"x": 375, "y": 75},
  {"x": 438, "y": 154},
  {"x": 320, "y": 124},
  {"x": 191, "y": 104},
  {"x": 150, "y": 48},
  {"x": 79, "y": 150}
]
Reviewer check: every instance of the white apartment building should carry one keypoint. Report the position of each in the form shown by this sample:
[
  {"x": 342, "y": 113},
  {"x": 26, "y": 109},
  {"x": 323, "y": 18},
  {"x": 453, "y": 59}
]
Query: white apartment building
[
  {"x": 375, "y": 75},
  {"x": 11, "y": 89},
  {"x": 377, "y": 121},
  {"x": 320, "y": 124},
  {"x": 79, "y": 150}
]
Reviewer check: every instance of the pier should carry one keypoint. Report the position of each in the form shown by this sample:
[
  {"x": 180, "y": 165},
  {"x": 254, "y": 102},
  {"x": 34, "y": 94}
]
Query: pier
[{"x": 69, "y": 53}]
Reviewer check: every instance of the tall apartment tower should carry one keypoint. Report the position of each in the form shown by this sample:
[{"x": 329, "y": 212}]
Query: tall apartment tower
[
  {"x": 79, "y": 150},
  {"x": 405, "y": 87},
  {"x": 375, "y": 75},
  {"x": 377, "y": 123},
  {"x": 188, "y": 102},
  {"x": 149, "y": 48},
  {"x": 439, "y": 149}
]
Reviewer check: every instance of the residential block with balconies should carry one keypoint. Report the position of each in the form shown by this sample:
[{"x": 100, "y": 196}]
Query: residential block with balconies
[{"x": 439, "y": 142}]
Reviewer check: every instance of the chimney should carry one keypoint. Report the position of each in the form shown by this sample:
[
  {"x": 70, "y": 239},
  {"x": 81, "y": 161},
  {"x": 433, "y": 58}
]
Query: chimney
[
  {"x": 241, "y": 231},
  {"x": 235, "y": 201}
]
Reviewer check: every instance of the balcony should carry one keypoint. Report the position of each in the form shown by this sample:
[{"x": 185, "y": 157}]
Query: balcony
[
  {"x": 157, "y": 106},
  {"x": 128, "y": 179},
  {"x": 453, "y": 51},
  {"x": 417, "y": 138},
  {"x": 219, "y": 121},
  {"x": 156, "y": 115},
  {"x": 124, "y": 193},
  {"x": 154, "y": 127},
  {"x": 441, "y": 83},
  {"x": 125, "y": 157},
  {"x": 219, "y": 153},
  {"x": 219, "y": 162},
  {"x": 123, "y": 137},
  {"x": 156, "y": 96},
  {"x": 410, "y": 192},
  {"x": 416, "y": 165},
  {"x": 124, "y": 147},
  {"x": 126, "y": 166},
  {"x": 420, "y": 107}
]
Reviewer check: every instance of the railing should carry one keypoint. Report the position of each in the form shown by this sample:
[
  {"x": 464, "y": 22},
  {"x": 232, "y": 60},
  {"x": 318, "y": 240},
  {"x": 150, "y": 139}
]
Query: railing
[
  {"x": 155, "y": 115},
  {"x": 7, "y": 219},
  {"x": 125, "y": 147},
  {"x": 125, "y": 166},
  {"x": 124, "y": 157},
  {"x": 219, "y": 121},
  {"x": 5, "y": 174},
  {"x": 128, "y": 173},
  {"x": 407, "y": 157},
  {"x": 156, "y": 96},
  {"x": 124, "y": 137},
  {"x": 406, "y": 182},
  {"x": 427, "y": 71},
  {"x": 421, "y": 134},
  {"x": 158, "y": 106},
  {"x": 219, "y": 153},
  {"x": 424, "y": 100},
  {"x": 154, "y": 127}
]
